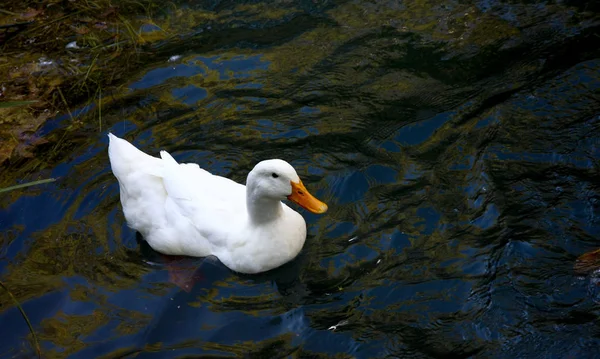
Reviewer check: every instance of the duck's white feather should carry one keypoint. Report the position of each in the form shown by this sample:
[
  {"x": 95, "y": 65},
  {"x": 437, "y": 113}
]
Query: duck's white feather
[{"x": 181, "y": 209}]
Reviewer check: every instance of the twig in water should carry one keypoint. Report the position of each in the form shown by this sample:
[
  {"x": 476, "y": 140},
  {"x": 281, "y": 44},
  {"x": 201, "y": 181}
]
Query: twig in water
[
  {"x": 100, "y": 108},
  {"x": 15, "y": 103},
  {"x": 66, "y": 104},
  {"x": 29, "y": 184},
  {"x": 89, "y": 70},
  {"x": 35, "y": 340}
]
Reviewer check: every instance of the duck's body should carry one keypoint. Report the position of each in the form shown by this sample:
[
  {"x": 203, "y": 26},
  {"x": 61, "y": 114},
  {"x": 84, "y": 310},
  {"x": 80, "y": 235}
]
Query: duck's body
[{"x": 181, "y": 209}]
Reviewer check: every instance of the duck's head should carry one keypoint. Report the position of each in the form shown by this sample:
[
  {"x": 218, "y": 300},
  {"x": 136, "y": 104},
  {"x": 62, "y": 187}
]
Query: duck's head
[{"x": 277, "y": 179}]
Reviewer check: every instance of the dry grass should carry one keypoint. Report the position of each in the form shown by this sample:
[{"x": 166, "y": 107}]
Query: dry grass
[{"x": 62, "y": 54}]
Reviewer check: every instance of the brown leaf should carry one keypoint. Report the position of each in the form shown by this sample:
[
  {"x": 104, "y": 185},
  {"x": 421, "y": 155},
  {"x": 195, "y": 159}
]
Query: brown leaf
[
  {"x": 31, "y": 13},
  {"x": 27, "y": 143},
  {"x": 101, "y": 25},
  {"x": 5, "y": 151},
  {"x": 81, "y": 30},
  {"x": 587, "y": 262},
  {"x": 110, "y": 11}
]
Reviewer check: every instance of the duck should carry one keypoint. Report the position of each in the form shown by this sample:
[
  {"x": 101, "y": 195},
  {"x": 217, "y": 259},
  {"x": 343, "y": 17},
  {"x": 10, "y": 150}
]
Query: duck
[{"x": 181, "y": 209}]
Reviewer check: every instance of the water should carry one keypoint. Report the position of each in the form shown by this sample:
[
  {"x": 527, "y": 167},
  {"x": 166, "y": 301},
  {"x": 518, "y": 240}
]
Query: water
[{"x": 455, "y": 143}]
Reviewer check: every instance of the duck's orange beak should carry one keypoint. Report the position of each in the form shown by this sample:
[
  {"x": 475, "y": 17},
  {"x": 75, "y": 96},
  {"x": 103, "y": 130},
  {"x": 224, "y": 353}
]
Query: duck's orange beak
[{"x": 306, "y": 200}]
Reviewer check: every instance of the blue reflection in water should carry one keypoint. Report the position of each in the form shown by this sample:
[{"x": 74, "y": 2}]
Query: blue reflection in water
[
  {"x": 189, "y": 94},
  {"x": 452, "y": 228}
]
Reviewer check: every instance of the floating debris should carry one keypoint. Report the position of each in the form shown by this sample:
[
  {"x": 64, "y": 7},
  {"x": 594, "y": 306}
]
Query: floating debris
[
  {"x": 72, "y": 45},
  {"x": 587, "y": 262},
  {"x": 334, "y": 327},
  {"x": 45, "y": 62}
]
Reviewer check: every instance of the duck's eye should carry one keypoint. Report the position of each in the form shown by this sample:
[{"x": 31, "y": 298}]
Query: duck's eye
[{"x": 274, "y": 175}]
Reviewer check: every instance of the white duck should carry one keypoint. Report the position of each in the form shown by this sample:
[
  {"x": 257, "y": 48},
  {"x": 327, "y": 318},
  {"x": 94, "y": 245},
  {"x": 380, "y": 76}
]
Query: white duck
[{"x": 181, "y": 209}]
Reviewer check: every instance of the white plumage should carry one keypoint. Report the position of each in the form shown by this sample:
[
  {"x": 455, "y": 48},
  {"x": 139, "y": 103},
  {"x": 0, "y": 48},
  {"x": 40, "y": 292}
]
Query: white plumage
[{"x": 181, "y": 209}]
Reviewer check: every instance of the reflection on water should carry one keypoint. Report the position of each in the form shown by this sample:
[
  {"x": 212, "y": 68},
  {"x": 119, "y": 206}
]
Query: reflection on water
[{"x": 456, "y": 144}]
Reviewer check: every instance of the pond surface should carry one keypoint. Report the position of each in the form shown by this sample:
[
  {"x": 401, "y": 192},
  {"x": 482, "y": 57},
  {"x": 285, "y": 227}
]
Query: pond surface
[{"x": 456, "y": 144}]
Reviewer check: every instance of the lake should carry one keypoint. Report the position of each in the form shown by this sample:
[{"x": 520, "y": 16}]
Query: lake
[{"x": 456, "y": 144}]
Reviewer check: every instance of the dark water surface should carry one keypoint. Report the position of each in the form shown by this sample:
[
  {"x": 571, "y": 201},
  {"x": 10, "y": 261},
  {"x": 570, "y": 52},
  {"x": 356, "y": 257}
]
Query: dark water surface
[{"x": 456, "y": 143}]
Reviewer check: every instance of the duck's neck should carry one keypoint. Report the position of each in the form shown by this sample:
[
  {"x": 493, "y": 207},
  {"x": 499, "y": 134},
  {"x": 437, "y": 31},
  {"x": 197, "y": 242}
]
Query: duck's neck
[{"x": 261, "y": 209}]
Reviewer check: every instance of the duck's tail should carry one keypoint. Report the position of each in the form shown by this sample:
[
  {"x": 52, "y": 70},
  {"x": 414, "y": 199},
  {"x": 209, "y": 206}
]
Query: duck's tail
[{"x": 125, "y": 158}]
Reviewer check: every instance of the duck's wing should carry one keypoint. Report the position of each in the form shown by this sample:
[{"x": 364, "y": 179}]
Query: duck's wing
[{"x": 214, "y": 205}]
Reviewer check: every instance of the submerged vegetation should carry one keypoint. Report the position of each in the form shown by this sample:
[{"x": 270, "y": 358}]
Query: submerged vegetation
[
  {"x": 440, "y": 131},
  {"x": 59, "y": 55}
]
